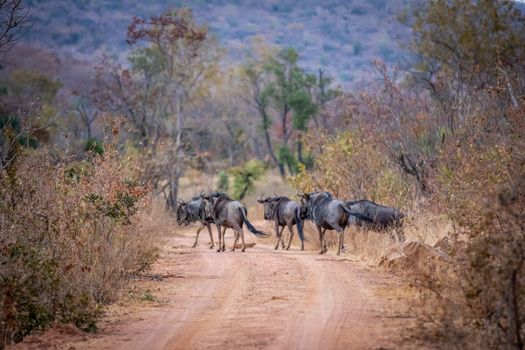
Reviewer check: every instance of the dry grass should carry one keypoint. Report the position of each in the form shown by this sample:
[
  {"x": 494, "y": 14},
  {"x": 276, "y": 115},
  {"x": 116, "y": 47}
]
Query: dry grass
[
  {"x": 370, "y": 246},
  {"x": 70, "y": 235}
]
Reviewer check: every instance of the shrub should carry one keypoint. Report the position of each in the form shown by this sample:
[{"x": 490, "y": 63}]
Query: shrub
[
  {"x": 352, "y": 168},
  {"x": 476, "y": 300},
  {"x": 244, "y": 176},
  {"x": 223, "y": 181},
  {"x": 69, "y": 236},
  {"x": 95, "y": 146}
]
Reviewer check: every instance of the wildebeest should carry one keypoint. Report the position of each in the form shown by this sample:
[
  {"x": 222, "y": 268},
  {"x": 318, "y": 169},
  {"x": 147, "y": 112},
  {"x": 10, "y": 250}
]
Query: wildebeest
[
  {"x": 327, "y": 213},
  {"x": 196, "y": 210},
  {"x": 284, "y": 212},
  {"x": 229, "y": 213},
  {"x": 380, "y": 217}
]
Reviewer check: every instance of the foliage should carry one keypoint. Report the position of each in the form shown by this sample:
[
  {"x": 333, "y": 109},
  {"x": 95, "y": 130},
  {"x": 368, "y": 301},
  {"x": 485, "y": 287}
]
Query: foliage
[
  {"x": 13, "y": 27},
  {"x": 471, "y": 66},
  {"x": 68, "y": 237},
  {"x": 287, "y": 158},
  {"x": 277, "y": 84},
  {"x": 244, "y": 176},
  {"x": 171, "y": 64},
  {"x": 95, "y": 146},
  {"x": 223, "y": 181},
  {"x": 34, "y": 84},
  {"x": 353, "y": 168},
  {"x": 466, "y": 37},
  {"x": 482, "y": 189}
]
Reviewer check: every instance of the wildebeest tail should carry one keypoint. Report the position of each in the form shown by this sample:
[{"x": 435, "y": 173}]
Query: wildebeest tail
[
  {"x": 299, "y": 222},
  {"x": 251, "y": 228},
  {"x": 357, "y": 215}
]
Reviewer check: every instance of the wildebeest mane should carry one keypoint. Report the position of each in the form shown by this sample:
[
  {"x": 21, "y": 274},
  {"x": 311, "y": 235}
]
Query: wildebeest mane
[
  {"x": 195, "y": 210},
  {"x": 220, "y": 204},
  {"x": 278, "y": 205},
  {"x": 218, "y": 194}
]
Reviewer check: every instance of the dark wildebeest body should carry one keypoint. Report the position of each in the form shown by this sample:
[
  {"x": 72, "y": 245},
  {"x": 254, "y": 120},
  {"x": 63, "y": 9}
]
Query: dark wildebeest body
[
  {"x": 327, "y": 213},
  {"x": 284, "y": 213},
  {"x": 228, "y": 213},
  {"x": 381, "y": 218},
  {"x": 196, "y": 210}
]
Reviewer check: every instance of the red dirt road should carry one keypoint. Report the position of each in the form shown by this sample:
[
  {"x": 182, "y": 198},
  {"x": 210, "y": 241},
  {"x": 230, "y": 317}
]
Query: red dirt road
[{"x": 260, "y": 299}]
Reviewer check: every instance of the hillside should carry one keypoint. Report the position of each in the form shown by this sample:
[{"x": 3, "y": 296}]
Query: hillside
[{"x": 340, "y": 36}]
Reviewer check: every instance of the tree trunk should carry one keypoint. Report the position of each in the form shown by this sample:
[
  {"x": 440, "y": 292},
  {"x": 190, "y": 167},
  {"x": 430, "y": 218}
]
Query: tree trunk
[
  {"x": 177, "y": 169},
  {"x": 88, "y": 127},
  {"x": 171, "y": 201},
  {"x": 300, "y": 151},
  {"x": 270, "y": 148},
  {"x": 286, "y": 133},
  {"x": 514, "y": 333}
]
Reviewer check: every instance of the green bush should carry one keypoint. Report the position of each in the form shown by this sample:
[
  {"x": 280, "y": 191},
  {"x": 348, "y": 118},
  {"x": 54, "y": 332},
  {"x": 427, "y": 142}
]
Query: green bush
[
  {"x": 95, "y": 146},
  {"x": 223, "y": 181},
  {"x": 244, "y": 176}
]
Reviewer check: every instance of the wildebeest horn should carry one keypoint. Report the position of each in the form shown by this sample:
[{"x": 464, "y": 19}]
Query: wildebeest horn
[
  {"x": 260, "y": 200},
  {"x": 181, "y": 201}
]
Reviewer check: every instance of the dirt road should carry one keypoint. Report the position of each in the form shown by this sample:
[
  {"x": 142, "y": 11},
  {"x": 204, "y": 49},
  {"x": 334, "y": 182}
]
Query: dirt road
[{"x": 260, "y": 299}]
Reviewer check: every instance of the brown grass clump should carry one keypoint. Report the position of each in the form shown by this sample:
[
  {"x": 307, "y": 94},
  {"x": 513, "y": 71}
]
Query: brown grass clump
[{"x": 70, "y": 233}]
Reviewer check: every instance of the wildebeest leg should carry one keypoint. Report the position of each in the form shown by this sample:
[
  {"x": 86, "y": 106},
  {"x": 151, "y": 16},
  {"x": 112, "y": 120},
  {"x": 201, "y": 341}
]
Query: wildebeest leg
[
  {"x": 235, "y": 241},
  {"x": 219, "y": 235},
  {"x": 290, "y": 228},
  {"x": 223, "y": 247},
  {"x": 197, "y": 236},
  {"x": 341, "y": 239},
  {"x": 211, "y": 236},
  {"x": 340, "y": 233},
  {"x": 277, "y": 235},
  {"x": 321, "y": 234},
  {"x": 242, "y": 240},
  {"x": 324, "y": 242}
]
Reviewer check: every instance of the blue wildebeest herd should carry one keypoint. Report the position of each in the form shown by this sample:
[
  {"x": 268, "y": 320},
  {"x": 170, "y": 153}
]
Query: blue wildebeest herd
[{"x": 325, "y": 211}]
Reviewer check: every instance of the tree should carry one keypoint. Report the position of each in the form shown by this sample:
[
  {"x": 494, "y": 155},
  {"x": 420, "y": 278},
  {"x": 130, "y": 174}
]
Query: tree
[
  {"x": 13, "y": 20},
  {"x": 463, "y": 47},
  {"x": 289, "y": 92},
  {"x": 282, "y": 89},
  {"x": 26, "y": 113},
  {"x": 322, "y": 94},
  {"x": 171, "y": 63},
  {"x": 227, "y": 115},
  {"x": 254, "y": 80}
]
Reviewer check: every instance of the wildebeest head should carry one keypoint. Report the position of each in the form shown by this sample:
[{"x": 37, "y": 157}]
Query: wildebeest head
[
  {"x": 305, "y": 197},
  {"x": 182, "y": 214},
  {"x": 310, "y": 200},
  {"x": 269, "y": 206}
]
